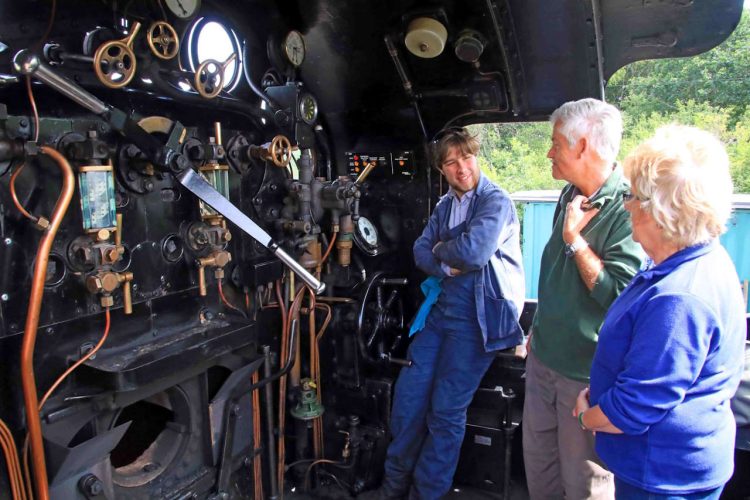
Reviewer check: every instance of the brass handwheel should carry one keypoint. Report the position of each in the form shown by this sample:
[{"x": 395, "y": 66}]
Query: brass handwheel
[
  {"x": 281, "y": 151},
  {"x": 114, "y": 61},
  {"x": 163, "y": 40},
  {"x": 209, "y": 77}
]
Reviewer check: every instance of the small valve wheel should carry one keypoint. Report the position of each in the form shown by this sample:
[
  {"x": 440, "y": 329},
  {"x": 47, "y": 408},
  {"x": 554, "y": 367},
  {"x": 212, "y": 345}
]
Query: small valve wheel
[
  {"x": 209, "y": 77},
  {"x": 114, "y": 61},
  {"x": 163, "y": 40},
  {"x": 281, "y": 151}
]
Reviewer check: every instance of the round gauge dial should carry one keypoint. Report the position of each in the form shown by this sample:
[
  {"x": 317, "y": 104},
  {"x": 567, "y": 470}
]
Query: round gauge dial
[
  {"x": 183, "y": 9},
  {"x": 366, "y": 236},
  {"x": 294, "y": 48},
  {"x": 308, "y": 108}
]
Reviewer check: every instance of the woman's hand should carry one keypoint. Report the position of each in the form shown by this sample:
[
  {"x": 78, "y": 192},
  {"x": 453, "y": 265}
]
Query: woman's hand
[{"x": 582, "y": 402}]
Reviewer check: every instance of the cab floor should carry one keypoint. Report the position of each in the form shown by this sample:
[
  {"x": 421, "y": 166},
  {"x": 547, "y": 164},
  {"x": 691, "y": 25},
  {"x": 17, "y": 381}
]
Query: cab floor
[{"x": 458, "y": 492}]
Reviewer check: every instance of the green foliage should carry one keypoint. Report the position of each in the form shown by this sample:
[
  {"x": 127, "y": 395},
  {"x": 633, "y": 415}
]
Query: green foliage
[
  {"x": 710, "y": 91},
  {"x": 718, "y": 77},
  {"x": 514, "y": 155}
]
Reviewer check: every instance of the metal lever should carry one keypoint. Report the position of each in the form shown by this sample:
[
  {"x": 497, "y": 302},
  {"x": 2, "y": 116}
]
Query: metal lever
[
  {"x": 196, "y": 184},
  {"x": 27, "y": 63}
]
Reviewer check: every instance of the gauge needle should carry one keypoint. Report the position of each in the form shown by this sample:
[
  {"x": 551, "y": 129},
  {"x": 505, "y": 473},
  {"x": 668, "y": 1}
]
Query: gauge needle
[{"x": 182, "y": 7}]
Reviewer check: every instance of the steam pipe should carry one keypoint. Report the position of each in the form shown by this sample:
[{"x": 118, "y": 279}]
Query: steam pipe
[
  {"x": 323, "y": 143},
  {"x": 32, "y": 323},
  {"x": 269, "y": 424},
  {"x": 393, "y": 51},
  {"x": 287, "y": 366},
  {"x": 246, "y": 71}
]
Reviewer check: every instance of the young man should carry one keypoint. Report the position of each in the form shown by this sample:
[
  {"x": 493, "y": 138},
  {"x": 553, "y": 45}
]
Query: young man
[
  {"x": 470, "y": 250},
  {"x": 588, "y": 260}
]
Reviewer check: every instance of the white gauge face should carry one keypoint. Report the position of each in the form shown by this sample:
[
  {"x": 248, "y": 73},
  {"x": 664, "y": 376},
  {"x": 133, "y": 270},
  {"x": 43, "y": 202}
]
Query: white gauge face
[
  {"x": 294, "y": 47},
  {"x": 308, "y": 109},
  {"x": 183, "y": 9},
  {"x": 368, "y": 231}
]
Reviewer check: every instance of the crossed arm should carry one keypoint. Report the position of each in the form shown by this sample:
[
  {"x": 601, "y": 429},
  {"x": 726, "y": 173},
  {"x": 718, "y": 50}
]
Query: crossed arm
[{"x": 471, "y": 250}]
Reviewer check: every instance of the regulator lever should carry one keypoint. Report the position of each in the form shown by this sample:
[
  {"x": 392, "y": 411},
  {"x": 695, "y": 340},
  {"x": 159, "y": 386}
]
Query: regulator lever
[{"x": 27, "y": 63}]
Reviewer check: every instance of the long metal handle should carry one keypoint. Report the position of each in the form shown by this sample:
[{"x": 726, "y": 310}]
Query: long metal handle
[
  {"x": 27, "y": 63},
  {"x": 206, "y": 192},
  {"x": 309, "y": 279}
]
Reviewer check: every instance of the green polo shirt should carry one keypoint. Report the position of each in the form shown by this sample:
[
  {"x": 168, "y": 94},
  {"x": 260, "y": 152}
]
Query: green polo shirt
[{"x": 568, "y": 316}]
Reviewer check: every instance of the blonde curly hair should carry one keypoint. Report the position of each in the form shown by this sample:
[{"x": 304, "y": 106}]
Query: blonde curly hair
[{"x": 681, "y": 177}]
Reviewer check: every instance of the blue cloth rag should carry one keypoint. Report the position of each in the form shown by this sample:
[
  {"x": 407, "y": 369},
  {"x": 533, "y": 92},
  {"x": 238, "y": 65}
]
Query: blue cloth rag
[{"x": 431, "y": 289}]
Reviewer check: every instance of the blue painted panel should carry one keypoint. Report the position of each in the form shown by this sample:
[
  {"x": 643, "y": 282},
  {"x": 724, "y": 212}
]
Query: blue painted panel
[
  {"x": 735, "y": 239},
  {"x": 537, "y": 227}
]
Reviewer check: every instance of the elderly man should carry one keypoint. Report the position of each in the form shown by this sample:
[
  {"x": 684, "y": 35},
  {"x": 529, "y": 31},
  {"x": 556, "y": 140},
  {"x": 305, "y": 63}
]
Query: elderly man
[
  {"x": 475, "y": 291},
  {"x": 587, "y": 262}
]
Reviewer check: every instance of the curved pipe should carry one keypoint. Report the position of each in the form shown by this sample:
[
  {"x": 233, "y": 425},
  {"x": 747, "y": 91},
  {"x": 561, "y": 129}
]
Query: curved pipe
[
  {"x": 292, "y": 353},
  {"x": 219, "y": 104},
  {"x": 246, "y": 73},
  {"x": 32, "y": 323}
]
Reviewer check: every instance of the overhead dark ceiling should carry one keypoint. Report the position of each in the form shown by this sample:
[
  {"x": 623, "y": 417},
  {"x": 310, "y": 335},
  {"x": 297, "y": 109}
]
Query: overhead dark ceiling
[{"x": 538, "y": 54}]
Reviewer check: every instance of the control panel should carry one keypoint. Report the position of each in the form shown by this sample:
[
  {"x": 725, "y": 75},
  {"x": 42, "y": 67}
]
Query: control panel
[{"x": 386, "y": 164}]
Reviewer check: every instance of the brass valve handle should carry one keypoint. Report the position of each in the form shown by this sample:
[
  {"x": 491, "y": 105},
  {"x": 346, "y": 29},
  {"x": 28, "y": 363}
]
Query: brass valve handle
[
  {"x": 115, "y": 62},
  {"x": 209, "y": 77},
  {"x": 163, "y": 40},
  {"x": 361, "y": 177},
  {"x": 281, "y": 151}
]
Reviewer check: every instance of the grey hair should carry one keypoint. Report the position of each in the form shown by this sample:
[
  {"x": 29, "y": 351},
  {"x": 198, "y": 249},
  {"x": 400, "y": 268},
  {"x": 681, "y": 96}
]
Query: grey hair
[{"x": 600, "y": 123}]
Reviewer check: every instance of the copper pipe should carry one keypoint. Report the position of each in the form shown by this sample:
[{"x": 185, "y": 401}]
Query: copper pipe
[
  {"x": 319, "y": 421},
  {"x": 257, "y": 465},
  {"x": 78, "y": 363},
  {"x": 14, "y": 197},
  {"x": 118, "y": 231},
  {"x": 291, "y": 323},
  {"x": 317, "y": 442},
  {"x": 14, "y": 466},
  {"x": 330, "y": 247},
  {"x": 32, "y": 322}
]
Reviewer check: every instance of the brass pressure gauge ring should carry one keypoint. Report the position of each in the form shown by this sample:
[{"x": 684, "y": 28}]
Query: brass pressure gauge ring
[
  {"x": 281, "y": 151},
  {"x": 163, "y": 40},
  {"x": 115, "y": 62},
  {"x": 209, "y": 77}
]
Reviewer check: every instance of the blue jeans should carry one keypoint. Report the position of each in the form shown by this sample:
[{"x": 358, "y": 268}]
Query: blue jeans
[
  {"x": 626, "y": 491},
  {"x": 429, "y": 408}
]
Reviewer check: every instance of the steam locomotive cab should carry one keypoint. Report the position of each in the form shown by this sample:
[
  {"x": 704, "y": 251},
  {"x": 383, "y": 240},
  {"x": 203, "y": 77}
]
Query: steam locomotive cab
[{"x": 207, "y": 214}]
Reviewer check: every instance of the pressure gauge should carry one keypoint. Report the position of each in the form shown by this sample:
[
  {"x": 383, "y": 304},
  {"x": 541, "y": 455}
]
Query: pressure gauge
[
  {"x": 308, "y": 108},
  {"x": 183, "y": 9},
  {"x": 294, "y": 48},
  {"x": 366, "y": 236}
]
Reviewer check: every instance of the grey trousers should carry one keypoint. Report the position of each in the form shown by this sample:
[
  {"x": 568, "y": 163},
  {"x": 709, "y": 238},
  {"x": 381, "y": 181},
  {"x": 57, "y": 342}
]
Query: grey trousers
[{"x": 558, "y": 455}]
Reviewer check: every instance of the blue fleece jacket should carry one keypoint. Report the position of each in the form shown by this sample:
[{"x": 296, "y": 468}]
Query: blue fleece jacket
[
  {"x": 669, "y": 358},
  {"x": 489, "y": 249}
]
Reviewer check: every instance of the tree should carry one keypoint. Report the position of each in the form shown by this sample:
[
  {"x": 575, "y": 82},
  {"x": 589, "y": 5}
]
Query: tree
[
  {"x": 718, "y": 77},
  {"x": 710, "y": 91}
]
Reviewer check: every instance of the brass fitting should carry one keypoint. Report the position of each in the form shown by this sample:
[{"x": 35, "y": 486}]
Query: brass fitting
[
  {"x": 218, "y": 259},
  {"x": 127, "y": 300},
  {"x": 106, "y": 282},
  {"x": 41, "y": 223},
  {"x": 344, "y": 242},
  {"x": 111, "y": 253},
  {"x": 103, "y": 235}
]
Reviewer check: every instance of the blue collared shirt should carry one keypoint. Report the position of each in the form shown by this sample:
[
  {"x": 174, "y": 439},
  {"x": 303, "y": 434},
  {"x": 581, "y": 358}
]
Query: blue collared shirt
[{"x": 459, "y": 211}]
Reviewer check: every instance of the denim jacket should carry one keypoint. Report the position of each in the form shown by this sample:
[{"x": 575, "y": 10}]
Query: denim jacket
[{"x": 489, "y": 248}]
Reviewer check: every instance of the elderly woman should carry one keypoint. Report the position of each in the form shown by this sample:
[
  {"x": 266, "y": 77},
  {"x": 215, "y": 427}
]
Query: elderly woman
[{"x": 670, "y": 350}]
